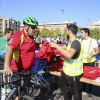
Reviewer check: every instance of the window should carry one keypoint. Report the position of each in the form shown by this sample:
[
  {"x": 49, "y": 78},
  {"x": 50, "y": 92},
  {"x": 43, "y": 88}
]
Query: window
[
  {"x": 0, "y": 20},
  {"x": 5, "y": 21},
  {"x": 16, "y": 24}
]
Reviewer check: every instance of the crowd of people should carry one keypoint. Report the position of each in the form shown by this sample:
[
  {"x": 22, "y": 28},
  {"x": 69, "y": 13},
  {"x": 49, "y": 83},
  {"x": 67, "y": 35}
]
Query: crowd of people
[
  {"x": 20, "y": 53},
  {"x": 59, "y": 39}
]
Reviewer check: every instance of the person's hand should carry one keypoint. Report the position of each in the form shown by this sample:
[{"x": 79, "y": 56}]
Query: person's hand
[
  {"x": 89, "y": 56},
  {"x": 52, "y": 44},
  {"x": 40, "y": 45},
  {"x": 8, "y": 70}
]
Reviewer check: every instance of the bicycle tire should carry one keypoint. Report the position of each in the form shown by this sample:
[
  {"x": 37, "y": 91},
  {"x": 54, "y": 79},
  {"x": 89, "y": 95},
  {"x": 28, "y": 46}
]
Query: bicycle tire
[
  {"x": 30, "y": 90},
  {"x": 25, "y": 98}
]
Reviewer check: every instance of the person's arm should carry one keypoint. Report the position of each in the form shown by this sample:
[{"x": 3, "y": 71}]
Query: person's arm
[
  {"x": 68, "y": 54},
  {"x": 96, "y": 49},
  {"x": 63, "y": 47},
  {"x": 8, "y": 58},
  {"x": 12, "y": 45},
  {"x": 93, "y": 54}
]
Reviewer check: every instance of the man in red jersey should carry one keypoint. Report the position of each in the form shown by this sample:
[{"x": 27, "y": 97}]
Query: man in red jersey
[{"x": 21, "y": 48}]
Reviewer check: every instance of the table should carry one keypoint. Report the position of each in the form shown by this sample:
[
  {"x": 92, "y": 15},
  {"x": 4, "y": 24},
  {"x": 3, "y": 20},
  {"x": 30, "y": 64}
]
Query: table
[{"x": 81, "y": 80}]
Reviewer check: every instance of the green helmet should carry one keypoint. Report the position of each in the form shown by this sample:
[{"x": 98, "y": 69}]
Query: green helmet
[{"x": 30, "y": 21}]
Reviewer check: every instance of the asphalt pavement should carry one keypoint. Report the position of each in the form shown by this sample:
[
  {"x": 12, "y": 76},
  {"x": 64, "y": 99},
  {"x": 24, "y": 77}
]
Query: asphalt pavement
[{"x": 42, "y": 95}]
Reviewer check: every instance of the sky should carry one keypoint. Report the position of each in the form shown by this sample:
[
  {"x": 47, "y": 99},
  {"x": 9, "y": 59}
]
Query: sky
[{"x": 80, "y": 11}]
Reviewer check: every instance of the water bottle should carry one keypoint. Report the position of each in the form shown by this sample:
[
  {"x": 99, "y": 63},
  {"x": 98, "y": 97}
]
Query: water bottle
[
  {"x": 8, "y": 90},
  {"x": 3, "y": 94}
]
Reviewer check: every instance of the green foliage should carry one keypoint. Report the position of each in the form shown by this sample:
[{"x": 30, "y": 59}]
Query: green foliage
[
  {"x": 79, "y": 28},
  {"x": 95, "y": 33},
  {"x": 52, "y": 33},
  {"x": 37, "y": 32},
  {"x": 65, "y": 33},
  {"x": 57, "y": 31},
  {"x": 45, "y": 32}
]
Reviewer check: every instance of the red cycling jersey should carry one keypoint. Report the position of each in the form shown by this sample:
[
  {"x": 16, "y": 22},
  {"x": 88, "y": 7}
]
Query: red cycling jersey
[{"x": 24, "y": 51}]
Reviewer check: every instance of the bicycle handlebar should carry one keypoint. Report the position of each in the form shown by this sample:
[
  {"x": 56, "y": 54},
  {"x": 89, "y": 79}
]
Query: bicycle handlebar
[
  {"x": 1, "y": 71},
  {"x": 25, "y": 73}
]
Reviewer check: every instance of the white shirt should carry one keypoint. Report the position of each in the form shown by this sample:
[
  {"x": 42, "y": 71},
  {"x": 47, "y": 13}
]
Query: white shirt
[
  {"x": 84, "y": 42},
  {"x": 48, "y": 39}
]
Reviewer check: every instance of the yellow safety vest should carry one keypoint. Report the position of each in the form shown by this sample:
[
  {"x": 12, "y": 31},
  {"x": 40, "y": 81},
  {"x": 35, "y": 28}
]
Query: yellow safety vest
[
  {"x": 73, "y": 67},
  {"x": 87, "y": 50}
]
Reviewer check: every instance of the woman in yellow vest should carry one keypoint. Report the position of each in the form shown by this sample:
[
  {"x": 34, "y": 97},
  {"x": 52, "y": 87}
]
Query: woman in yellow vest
[
  {"x": 72, "y": 68},
  {"x": 90, "y": 50}
]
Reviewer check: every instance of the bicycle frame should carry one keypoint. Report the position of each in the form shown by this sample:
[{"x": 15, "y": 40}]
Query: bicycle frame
[
  {"x": 8, "y": 96},
  {"x": 23, "y": 75},
  {"x": 40, "y": 82}
]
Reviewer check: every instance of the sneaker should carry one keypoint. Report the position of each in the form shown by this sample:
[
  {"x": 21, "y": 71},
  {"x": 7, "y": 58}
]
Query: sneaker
[
  {"x": 84, "y": 93},
  {"x": 89, "y": 96}
]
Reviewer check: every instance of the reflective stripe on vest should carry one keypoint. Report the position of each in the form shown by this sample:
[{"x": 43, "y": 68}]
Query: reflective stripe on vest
[
  {"x": 88, "y": 51},
  {"x": 73, "y": 60},
  {"x": 89, "y": 47},
  {"x": 73, "y": 69}
]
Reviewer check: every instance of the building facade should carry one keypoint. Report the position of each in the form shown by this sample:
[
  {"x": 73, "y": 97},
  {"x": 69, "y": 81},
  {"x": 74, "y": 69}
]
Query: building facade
[
  {"x": 94, "y": 25},
  {"x": 54, "y": 25},
  {"x": 8, "y": 23}
]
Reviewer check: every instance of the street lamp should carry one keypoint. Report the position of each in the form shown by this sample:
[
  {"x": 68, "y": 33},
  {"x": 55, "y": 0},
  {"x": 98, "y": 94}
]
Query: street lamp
[
  {"x": 4, "y": 17},
  {"x": 88, "y": 20},
  {"x": 62, "y": 11}
]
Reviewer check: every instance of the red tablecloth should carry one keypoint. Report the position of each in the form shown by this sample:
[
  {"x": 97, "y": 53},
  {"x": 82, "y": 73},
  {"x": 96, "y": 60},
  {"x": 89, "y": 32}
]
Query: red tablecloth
[{"x": 91, "y": 73}]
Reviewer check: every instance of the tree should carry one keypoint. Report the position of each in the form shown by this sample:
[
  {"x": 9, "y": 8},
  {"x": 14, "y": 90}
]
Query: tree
[
  {"x": 45, "y": 32},
  {"x": 95, "y": 33},
  {"x": 52, "y": 33},
  {"x": 79, "y": 28},
  {"x": 65, "y": 33},
  {"x": 37, "y": 32},
  {"x": 57, "y": 31}
]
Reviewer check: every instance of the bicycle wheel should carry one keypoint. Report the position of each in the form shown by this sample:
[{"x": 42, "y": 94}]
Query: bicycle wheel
[
  {"x": 30, "y": 90},
  {"x": 26, "y": 98},
  {"x": 22, "y": 98}
]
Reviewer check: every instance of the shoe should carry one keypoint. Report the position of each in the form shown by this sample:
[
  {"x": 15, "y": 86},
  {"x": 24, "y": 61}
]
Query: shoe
[
  {"x": 84, "y": 93},
  {"x": 89, "y": 96}
]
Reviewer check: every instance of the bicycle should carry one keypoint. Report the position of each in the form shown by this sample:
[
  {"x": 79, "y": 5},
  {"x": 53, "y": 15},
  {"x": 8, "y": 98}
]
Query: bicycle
[
  {"x": 39, "y": 80},
  {"x": 25, "y": 85}
]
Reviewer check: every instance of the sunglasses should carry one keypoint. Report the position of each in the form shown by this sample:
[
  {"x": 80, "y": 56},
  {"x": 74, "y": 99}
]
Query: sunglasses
[{"x": 33, "y": 27}]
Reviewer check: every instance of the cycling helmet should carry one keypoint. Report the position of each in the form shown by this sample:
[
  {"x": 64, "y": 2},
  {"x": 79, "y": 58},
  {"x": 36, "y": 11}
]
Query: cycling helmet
[{"x": 30, "y": 21}]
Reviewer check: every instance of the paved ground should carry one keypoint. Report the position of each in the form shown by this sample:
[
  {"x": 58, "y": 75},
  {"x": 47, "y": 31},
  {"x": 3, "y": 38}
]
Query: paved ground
[{"x": 41, "y": 95}]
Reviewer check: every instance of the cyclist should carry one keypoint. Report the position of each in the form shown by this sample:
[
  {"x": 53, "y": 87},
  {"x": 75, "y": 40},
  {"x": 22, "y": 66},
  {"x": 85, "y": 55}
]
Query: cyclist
[{"x": 21, "y": 48}]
